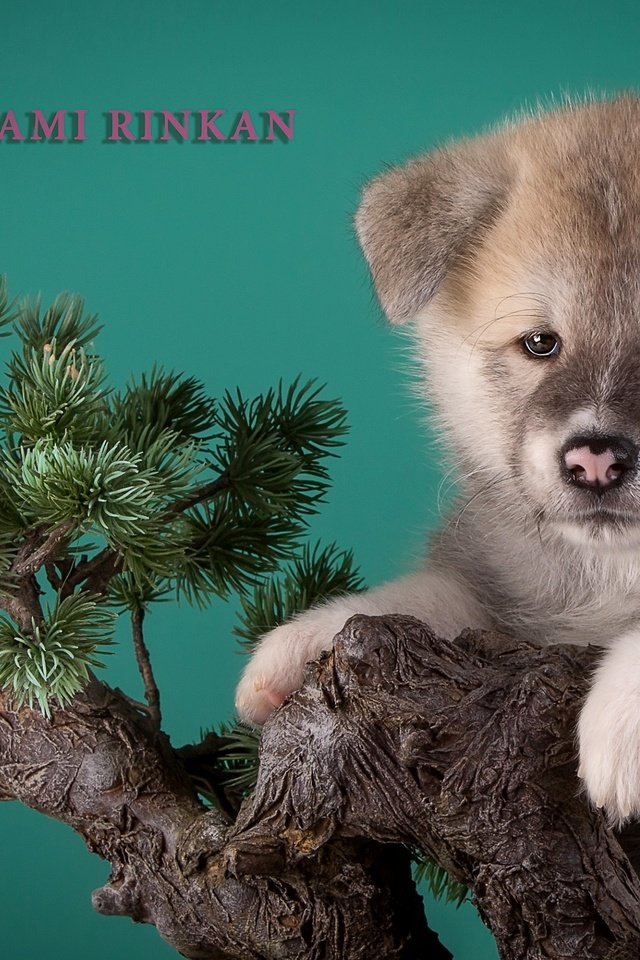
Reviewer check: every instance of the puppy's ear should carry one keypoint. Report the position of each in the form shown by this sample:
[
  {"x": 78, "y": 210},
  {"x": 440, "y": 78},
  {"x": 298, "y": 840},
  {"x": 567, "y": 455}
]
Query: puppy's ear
[{"x": 415, "y": 222}]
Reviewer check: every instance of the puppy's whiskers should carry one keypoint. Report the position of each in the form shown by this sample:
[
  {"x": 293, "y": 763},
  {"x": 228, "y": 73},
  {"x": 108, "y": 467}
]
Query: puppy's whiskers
[
  {"x": 459, "y": 479},
  {"x": 540, "y": 315},
  {"x": 493, "y": 482}
]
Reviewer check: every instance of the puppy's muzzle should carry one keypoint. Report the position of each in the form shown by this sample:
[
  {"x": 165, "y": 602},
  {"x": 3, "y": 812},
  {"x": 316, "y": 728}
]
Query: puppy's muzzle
[{"x": 599, "y": 463}]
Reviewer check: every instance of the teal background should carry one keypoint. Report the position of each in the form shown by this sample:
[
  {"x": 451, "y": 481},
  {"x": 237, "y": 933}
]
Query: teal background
[{"x": 236, "y": 263}]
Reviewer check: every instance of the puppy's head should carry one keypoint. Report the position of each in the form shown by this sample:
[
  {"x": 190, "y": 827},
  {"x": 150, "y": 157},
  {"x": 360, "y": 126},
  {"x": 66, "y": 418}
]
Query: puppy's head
[{"x": 517, "y": 257}]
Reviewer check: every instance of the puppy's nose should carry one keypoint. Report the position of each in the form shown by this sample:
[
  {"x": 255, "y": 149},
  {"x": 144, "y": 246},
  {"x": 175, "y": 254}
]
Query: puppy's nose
[{"x": 599, "y": 463}]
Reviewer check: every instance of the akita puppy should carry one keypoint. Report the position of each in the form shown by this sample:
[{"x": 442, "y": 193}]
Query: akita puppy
[{"x": 516, "y": 257}]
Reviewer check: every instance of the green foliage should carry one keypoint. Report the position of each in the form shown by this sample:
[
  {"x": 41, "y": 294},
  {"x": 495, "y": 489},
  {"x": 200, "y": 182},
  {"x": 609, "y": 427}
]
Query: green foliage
[
  {"x": 64, "y": 322},
  {"x": 162, "y": 403},
  {"x": 272, "y": 449},
  {"x": 107, "y": 489},
  {"x": 51, "y": 661},
  {"x": 55, "y": 396},
  {"x": 104, "y": 486},
  {"x": 55, "y": 387},
  {"x": 231, "y": 553},
  {"x": 317, "y": 574},
  {"x": 182, "y": 492},
  {"x": 442, "y": 886},
  {"x": 238, "y": 762},
  {"x": 135, "y": 592},
  {"x": 171, "y": 465},
  {"x": 272, "y": 479},
  {"x": 8, "y": 311}
]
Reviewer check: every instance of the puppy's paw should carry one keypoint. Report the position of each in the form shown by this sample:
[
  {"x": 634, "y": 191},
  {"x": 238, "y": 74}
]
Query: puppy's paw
[
  {"x": 609, "y": 736},
  {"x": 276, "y": 669}
]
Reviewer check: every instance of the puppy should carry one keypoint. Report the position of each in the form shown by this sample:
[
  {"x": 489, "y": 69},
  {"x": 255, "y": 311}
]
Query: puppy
[{"x": 516, "y": 256}]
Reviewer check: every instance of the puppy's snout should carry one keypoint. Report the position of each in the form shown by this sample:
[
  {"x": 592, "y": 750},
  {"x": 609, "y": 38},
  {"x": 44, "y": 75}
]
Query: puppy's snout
[{"x": 599, "y": 463}]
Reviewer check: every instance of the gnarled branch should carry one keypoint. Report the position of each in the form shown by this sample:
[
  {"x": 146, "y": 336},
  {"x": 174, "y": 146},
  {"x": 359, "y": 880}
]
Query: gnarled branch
[{"x": 399, "y": 739}]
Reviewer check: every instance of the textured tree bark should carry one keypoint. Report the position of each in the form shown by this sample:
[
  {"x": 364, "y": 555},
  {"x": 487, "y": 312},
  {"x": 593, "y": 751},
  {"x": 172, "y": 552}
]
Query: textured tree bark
[{"x": 464, "y": 750}]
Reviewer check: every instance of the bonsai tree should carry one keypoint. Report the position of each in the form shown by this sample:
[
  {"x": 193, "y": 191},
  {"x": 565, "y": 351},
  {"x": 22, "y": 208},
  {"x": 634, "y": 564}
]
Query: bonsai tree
[
  {"x": 112, "y": 501},
  {"x": 399, "y": 746}
]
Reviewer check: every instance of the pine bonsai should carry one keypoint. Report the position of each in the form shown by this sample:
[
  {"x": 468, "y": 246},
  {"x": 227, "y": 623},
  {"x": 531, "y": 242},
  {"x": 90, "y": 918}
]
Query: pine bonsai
[{"x": 110, "y": 501}]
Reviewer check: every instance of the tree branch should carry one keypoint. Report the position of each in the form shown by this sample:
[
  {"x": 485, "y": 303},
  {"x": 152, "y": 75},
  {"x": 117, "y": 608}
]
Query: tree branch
[
  {"x": 22, "y": 603},
  {"x": 96, "y": 573},
  {"x": 151, "y": 692},
  {"x": 206, "y": 492},
  {"x": 21, "y": 596},
  {"x": 52, "y": 575},
  {"x": 99, "y": 768},
  {"x": 463, "y": 750},
  {"x": 39, "y": 549}
]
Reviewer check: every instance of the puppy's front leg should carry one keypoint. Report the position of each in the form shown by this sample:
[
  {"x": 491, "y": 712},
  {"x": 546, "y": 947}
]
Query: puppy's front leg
[
  {"x": 277, "y": 666},
  {"x": 609, "y": 731}
]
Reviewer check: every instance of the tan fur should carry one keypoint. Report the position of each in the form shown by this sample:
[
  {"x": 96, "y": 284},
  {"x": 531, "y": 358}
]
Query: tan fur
[
  {"x": 564, "y": 184},
  {"x": 533, "y": 227}
]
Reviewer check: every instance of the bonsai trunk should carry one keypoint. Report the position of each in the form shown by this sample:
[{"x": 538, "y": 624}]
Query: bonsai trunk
[{"x": 398, "y": 740}]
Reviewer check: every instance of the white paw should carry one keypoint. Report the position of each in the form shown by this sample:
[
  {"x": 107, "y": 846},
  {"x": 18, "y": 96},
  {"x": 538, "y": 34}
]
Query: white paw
[
  {"x": 609, "y": 736},
  {"x": 276, "y": 668}
]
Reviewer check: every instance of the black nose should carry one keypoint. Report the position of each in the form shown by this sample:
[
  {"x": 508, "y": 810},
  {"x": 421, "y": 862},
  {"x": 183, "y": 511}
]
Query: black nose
[{"x": 599, "y": 463}]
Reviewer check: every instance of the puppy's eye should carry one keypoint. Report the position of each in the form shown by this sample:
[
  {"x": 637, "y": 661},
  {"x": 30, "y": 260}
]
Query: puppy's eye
[{"x": 541, "y": 345}]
